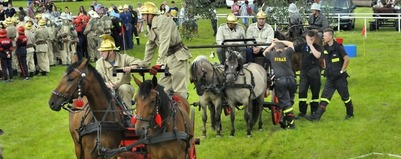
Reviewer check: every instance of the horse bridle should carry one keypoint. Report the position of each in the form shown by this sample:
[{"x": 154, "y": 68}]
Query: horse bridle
[
  {"x": 203, "y": 84},
  {"x": 78, "y": 89},
  {"x": 151, "y": 117}
]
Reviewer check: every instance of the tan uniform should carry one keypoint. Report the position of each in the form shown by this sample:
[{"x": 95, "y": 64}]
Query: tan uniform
[
  {"x": 52, "y": 45},
  {"x": 164, "y": 34},
  {"x": 42, "y": 49},
  {"x": 12, "y": 34},
  {"x": 225, "y": 33},
  {"x": 30, "y": 51},
  {"x": 125, "y": 90},
  {"x": 92, "y": 38},
  {"x": 65, "y": 35},
  {"x": 264, "y": 35}
]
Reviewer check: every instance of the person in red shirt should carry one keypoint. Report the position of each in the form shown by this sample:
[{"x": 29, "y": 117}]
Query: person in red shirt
[
  {"x": 6, "y": 47},
  {"x": 21, "y": 52}
]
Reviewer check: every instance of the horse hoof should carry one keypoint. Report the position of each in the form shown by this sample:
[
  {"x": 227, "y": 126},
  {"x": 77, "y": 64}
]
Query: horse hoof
[{"x": 231, "y": 136}]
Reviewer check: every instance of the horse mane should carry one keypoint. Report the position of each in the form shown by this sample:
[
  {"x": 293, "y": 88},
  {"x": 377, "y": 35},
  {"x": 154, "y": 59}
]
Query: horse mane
[
  {"x": 194, "y": 66},
  {"x": 146, "y": 88},
  {"x": 105, "y": 89}
]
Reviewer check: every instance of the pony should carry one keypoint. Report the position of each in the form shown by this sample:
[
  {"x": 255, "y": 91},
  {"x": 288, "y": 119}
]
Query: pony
[
  {"x": 246, "y": 84},
  {"x": 163, "y": 120},
  {"x": 208, "y": 79},
  {"x": 99, "y": 124}
]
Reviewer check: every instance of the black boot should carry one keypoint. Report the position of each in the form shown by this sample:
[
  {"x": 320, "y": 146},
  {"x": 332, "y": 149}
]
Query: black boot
[
  {"x": 313, "y": 107},
  {"x": 137, "y": 41},
  {"x": 318, "y": 114},
  {"x": 302, "y": 110},
  {"x": 44, "y": 73},
  {"x": 31, "y": 74},
  {"x": 290, "y": 121},
  {"x": 350, "y": 110}
]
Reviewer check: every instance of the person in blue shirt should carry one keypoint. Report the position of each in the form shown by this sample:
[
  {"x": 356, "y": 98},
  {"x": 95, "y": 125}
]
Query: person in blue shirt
[
  {"x": 126, "y": 19},
  {"x": 10, "y": 11}
]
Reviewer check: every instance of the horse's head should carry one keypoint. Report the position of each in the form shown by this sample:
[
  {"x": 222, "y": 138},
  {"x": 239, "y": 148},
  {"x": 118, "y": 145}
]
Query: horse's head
[
  {"x": 201, "y": 74},
  {"x": 151, "y": 106},
  {"x": 232, "y": 65},
  {"x": 71, "y": 85}
]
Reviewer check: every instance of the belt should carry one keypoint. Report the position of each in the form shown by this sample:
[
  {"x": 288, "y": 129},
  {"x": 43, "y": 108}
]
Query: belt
[
  {"x": 173, "y": 49},
  {"x": 29, "y": 45},
  {"x": 41, "y": 42}
]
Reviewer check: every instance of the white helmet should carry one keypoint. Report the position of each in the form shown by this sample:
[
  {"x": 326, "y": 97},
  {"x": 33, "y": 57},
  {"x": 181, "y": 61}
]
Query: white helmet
[
  {"x": 292, "y": 8},
  {"x": 315, "y": 6}
]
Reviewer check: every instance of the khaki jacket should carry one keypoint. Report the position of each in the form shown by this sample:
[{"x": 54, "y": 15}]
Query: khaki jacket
[
  {"x": 164, "y": 34},
  {"x": 91, "y": 27},
  {"x": 225, "y": 33},
  {"x": 122, "y": 60},
  {"x": 11, "y": 32},
  {"x": 265, "y": 35}
]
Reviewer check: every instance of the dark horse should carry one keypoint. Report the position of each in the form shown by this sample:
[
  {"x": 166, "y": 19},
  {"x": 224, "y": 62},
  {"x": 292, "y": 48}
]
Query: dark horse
[
  {"x": 163, "y": 120},
  {"x": 97, "y": 126},
  {"x": 208, "y": 79},
  {"x": 245, "y": 84}
]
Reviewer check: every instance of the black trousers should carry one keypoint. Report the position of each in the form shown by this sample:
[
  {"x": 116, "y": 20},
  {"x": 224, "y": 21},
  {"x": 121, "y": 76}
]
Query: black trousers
[
  {"x": 285, "y": 91},
  {"x": 23, "y": 66},
  {"x": 309, "y": 78},
  {"x": 340, "y": 84},
  {"x": 6, "y": 66}
]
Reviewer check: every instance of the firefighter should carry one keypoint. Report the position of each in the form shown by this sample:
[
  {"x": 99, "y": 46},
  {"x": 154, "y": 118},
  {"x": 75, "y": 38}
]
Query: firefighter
[
  {"x": 164, "y": 34},
  {"x": 336, "y": 60}
]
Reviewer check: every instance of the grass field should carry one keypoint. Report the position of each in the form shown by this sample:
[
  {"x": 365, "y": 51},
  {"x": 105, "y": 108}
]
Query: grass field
[{"x": 33, "y": 131}]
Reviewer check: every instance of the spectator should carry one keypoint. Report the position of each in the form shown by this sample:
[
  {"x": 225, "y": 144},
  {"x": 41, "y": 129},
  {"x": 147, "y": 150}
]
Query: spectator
[
  {"x": 139, "y": 24},
  {"x": 82, "y": 11},
  {"x": 165, "y": 5},
  {"x": 95, "y": 5},
  {"x": 21, "y": 52},
  {"x": 2, "y": 13},
  {"x": 173, "y": 7},
  {"x": 30, "y": 11},
  {"x": 54, "y": 12},
  {"x": 163, "y": 9},
  {"x": 10, "y": 11},
  {"x": 6, "y": 47},
  {"x": 213, "y": 20},
  {"x": 235, "y": 8},
  {"x": 246, "y": 10}
]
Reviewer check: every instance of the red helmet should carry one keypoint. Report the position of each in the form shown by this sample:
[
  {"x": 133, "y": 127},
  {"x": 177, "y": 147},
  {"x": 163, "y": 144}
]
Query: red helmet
[
  {"x": 21, "y": 29},
  {"x": 3, "y": 33}
]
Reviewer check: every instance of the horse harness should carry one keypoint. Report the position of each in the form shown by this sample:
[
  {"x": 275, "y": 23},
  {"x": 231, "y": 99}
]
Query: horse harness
[
  {"x": 243, "y": 85},
  {"x": 94, "y": 125},
  {"x": 161, "y": 135},
  {"x": 212, "y": 87}
]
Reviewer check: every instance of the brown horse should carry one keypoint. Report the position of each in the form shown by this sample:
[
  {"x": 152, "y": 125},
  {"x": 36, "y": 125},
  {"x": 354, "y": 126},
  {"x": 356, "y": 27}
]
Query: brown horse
[
  {"x": 164, "y": 121},
  {"x": 99, "y": 125}
]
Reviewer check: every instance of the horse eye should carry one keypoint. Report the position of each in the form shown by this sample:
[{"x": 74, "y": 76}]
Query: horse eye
[{"x": 69, "y": 79}]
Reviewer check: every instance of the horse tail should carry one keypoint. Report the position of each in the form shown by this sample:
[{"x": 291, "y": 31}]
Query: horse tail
[{"x": 256, "y": 110}]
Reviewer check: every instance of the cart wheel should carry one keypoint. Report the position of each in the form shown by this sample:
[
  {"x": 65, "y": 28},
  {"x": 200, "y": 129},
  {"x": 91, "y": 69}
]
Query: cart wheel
[{"x": 275, "y": 112}]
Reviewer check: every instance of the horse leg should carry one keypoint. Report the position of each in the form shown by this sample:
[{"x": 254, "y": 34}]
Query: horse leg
[
  {"x": 217, "y": 117},
  {"x": 212, "y": 110},
  {"x": 248, "y": 116},
  {"x": 204, "y": 117},
  {"x": 260, "y": 107},
  {"x": 232, "y": 105}
]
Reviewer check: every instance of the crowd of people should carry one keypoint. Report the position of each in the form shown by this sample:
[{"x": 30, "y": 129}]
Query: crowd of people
[{"x": 31, "y": 44}]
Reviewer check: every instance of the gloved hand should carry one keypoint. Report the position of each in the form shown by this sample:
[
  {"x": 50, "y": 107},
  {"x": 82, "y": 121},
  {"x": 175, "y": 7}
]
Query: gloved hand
[{"x": 154, "y": 69}]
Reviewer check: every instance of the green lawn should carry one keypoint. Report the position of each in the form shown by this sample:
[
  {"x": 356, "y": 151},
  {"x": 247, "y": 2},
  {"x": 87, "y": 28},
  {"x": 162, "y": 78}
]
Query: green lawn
[{"x": 33, "y": 131}]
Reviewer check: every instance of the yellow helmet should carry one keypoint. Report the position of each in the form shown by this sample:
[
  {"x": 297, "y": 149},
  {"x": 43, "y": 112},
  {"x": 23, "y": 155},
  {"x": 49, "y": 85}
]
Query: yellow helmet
[
  {"x": 173, "y": 13},
  {"x": 231, "y": 18},
  {"x": 261, "y": 15},
  {"x": 42, "y": 22},
  {"x": 28, "y": 26},
  {"x": 8, "y": 21},
  {"x": 14, "y": 19},
  {"x": 108, "y": 43},
  {"x": 149, "y": 8},
  {"x": 38, "y": 16}
]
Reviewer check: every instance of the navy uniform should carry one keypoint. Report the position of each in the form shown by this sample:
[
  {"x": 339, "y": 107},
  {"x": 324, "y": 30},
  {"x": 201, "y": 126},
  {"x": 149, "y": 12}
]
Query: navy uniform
[
  {"x": 336, "y": 60},
  {"x": 284, "y": 85},
  {"x": 126, "y": 19},
  {"x": 6, "y": 48},
  {"x": 310, "y": 74}
]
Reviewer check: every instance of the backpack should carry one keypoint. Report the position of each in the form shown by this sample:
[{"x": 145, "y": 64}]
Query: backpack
[{"x": 249, "y": 10}]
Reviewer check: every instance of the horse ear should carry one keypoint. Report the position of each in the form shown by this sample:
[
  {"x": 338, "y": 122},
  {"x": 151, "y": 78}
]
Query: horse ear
[
  {"x": 75, "y": 58},
  {"x": 137, "y": 81},
  {"x": 154, "y": 81},
  {"x": 84, "y": 63}
]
